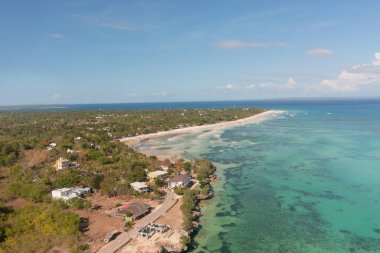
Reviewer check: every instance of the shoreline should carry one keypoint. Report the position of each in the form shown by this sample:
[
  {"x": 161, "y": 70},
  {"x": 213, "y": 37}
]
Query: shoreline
[
  {"x": 196, "y": 129},
  {"x": 204, "y": 130}
]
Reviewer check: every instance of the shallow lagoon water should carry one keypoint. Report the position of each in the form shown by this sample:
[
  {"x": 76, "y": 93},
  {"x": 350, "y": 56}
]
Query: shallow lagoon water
[{"x": 306, "y": 181}]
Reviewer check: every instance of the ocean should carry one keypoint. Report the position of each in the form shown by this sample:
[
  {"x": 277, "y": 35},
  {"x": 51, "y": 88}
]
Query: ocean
[{"x": 307, "y": 180}]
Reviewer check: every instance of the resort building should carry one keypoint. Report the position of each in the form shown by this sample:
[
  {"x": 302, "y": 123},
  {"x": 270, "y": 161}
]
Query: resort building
[
  {"x": 179, "y": 181},
  {"x": 69, "y": 193},
  {"x": 62, "y": 164},
  {"x": 140, "y": 187},
  {"x": 157, "y": 174},
  {"x": 135, "y": 210}
]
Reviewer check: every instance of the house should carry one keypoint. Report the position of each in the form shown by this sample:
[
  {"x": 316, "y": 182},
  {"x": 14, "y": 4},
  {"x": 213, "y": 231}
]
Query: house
[
  {"x": 69, "y": 151},
  {"x": 69, "y": 193},
  {"x": 51, "y": 146},
  {"x": 136, "y": 209},
  {"x": 165, "y": 165},
  {"x": 62, "y": 164},
  {"x": 157, "y": 174},
  {"x": 140, "y": 187},
  {"x": 179, "y": 180}
]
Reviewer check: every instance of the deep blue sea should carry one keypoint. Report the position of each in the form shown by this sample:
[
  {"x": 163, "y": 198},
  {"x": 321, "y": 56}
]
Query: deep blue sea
[{"x": 272, "y": 104}]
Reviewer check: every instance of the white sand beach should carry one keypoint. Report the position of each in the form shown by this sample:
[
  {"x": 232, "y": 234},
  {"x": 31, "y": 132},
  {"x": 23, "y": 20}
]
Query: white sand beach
[{"x": 198, "y": 129}]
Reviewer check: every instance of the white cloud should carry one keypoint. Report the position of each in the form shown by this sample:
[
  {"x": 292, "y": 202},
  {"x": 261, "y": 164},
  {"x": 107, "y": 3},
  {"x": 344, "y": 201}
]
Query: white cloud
[
  {"x": 376, "y": 62},
  {"x": 133, "y": 94},
  {"x": 226, "y": 87},
  {"x": 356, "y": 77},
  {"x": 320, "y": 52},
  {"x": 288, "y": 85},
  {"x": 115, "y": 25},
  {"x": 57, "y": 36},
  {"x": 231, "y": 44},
  {"x": 56, "y": 96},
  {"x": 159, "y": 94},
  {"x": 102, "y": 22}
]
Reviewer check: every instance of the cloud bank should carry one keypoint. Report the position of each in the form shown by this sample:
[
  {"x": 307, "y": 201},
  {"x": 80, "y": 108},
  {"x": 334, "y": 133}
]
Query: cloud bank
[{"x": 355, "y": 78}]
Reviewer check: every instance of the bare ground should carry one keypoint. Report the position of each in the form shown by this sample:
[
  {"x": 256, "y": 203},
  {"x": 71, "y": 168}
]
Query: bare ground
[{"x": 173, "y": 217}]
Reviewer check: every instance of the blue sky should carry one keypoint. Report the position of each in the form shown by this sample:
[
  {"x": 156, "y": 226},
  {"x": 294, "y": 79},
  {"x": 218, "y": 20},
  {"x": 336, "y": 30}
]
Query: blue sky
[{"x": 77, "y": 51}]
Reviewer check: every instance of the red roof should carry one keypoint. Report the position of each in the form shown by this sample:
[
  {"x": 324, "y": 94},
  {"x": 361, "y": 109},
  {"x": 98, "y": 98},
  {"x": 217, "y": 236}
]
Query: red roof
[{"x": 165, "y": 163}]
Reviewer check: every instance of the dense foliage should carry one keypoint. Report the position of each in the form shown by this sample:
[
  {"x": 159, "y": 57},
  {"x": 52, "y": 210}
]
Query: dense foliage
[
  {"x": 39, "y": 228},
  {"x": 189, "y": 202}
]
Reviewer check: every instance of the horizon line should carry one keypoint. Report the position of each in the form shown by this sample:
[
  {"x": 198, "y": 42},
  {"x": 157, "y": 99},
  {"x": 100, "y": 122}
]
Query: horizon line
[{"x": 197, "y": 101}]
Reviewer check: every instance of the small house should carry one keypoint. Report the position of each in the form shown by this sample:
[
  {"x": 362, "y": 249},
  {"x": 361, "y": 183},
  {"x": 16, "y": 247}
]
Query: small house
[
  {"x": 135, "y": 209},
  {"x": 140, "y": 187},
  {"x": 157, "y": 174},
  {"x": 179, "y": 181},
  {"x": 62, "y": 164},
  {"x": 165, "y": 165},
  {"x": 69, "y": 193}
]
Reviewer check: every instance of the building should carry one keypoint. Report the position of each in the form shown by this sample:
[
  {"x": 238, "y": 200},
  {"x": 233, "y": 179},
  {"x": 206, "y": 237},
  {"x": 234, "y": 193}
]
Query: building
[
  {"x": 140, "y": 186},
  {"x": 157, "y": 174},
  {"x": 69, "y": 193},
  {"x": 152, "y": 228},
  {"x": 165, "y": 165},
  {"x": 179, "y": 180},
  {"x": 62, "y": 164},
  {"x": 135, "y": 210}
]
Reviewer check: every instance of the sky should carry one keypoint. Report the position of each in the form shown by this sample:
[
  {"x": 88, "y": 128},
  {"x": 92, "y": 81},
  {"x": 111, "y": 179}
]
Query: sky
[{"x": 92, "y": 51}]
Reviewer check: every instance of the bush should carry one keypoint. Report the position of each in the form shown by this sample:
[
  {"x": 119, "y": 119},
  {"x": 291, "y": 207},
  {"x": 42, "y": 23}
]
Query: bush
[
  {"x": 79, "y": 203},
  {"x": 159, "y": 182},
  {"x": 179, "y": 190},
  {"x": 185, "y": 240}
]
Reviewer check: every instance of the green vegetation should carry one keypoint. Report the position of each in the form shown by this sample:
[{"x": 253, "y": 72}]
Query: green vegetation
[
  {"x": 189, "y": 203},
  {"x": 39, "y": 228}
]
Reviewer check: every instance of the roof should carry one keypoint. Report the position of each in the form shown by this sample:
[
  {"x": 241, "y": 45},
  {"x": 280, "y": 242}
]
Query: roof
[
  {"x": 157, "y": 173},
  {"x": 179, "y": 178},
  {"x": 139, "y": 185},
  {"x": 62, "y": 190},
  {"x": 165, "y": 163},
  {"x": 136, "y": 207}
]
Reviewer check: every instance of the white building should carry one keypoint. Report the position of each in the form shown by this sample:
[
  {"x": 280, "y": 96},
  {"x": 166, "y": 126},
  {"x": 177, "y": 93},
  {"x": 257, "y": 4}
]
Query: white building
[
  {"x": 157, "y": 174},
  {"x": 69, "y": 193},
  {"x": 140, "y": 186},
  {"x": 179, "y": 181},
  {"x": 62, "y": 164}
]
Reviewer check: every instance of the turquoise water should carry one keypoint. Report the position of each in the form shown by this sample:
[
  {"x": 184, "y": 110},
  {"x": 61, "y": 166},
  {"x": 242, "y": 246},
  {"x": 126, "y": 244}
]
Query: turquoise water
[{"x": 306, "y": 181}]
